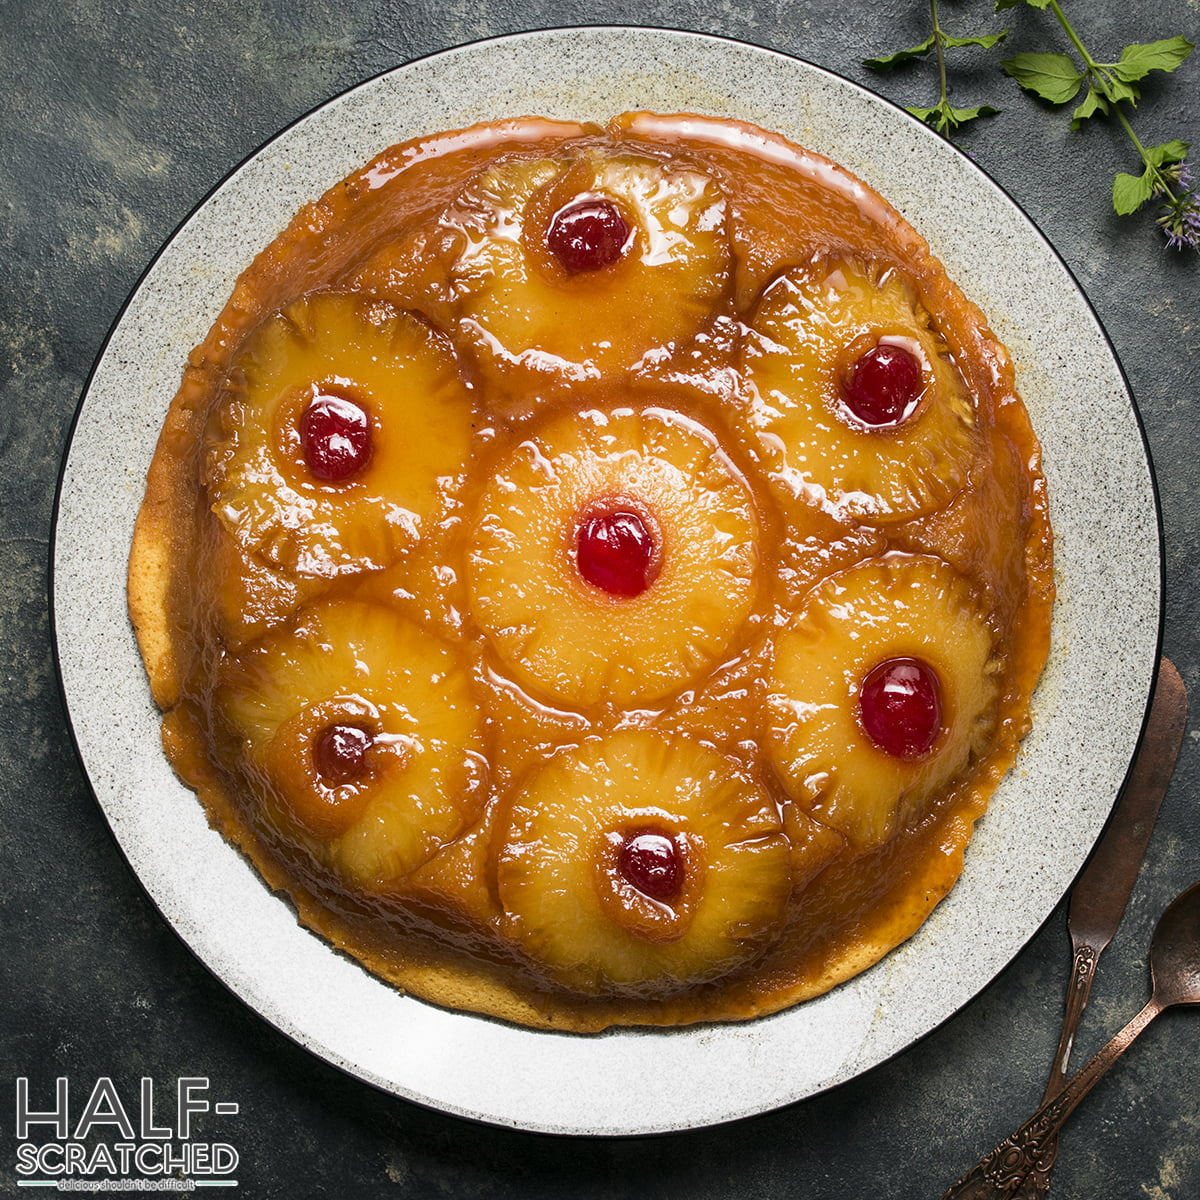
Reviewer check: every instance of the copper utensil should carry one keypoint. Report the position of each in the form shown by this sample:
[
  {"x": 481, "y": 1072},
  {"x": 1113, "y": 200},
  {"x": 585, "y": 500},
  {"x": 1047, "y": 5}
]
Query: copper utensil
[
  {"x": 1102, "y": 891},
  {"x": 1175, "y": 976}
]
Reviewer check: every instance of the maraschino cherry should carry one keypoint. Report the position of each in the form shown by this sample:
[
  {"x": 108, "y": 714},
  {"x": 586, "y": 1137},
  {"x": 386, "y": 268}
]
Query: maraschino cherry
[
  {"x": 614, "y": 551},
  {"x": 587, "y": 235},
  {"x": 652, "y": 863},
  {"x": 900, "y": 707},
  {"x": 884, "y": 386},
  {"x": 340, "y": 752},
  {"x": 335, "y": 435}
]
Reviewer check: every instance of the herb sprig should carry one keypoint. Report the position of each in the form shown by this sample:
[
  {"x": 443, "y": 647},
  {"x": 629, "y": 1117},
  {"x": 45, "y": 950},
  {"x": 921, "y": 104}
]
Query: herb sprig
[
  {"x": 1108, "y": 88},
  {"x": 943, "y": 116},
  {"x": 1058, "y": 79}
]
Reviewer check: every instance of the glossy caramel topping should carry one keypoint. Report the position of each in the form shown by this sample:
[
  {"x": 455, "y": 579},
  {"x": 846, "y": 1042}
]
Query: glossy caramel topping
[{"x": 616, "y": 575}]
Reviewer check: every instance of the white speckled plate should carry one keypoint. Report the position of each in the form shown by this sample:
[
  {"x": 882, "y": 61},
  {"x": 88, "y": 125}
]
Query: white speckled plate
[{"x": 1045, "y": 817}]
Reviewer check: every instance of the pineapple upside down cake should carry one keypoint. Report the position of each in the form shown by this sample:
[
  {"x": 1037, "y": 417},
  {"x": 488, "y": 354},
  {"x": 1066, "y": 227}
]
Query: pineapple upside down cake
[{"x": 598, "y": 573}]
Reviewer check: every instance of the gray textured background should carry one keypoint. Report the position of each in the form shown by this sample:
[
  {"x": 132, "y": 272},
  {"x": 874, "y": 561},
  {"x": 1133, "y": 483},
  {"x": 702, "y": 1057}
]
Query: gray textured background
[{"x": 118, "y": 118}]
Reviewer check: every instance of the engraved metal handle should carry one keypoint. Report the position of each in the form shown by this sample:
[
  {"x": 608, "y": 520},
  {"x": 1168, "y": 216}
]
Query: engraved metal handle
[
  {"x": 1083, "y": 973},
  {"x": 1009, "y": 1172}
]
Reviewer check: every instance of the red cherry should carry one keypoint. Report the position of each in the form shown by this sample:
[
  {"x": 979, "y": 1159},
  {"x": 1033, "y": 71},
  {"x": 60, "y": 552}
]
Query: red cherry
[
  {"x": 885, "y": 385},
  {"x": 335, "y": 434},
  {"x": 614, "y": 551},
  {"x": 587, "y": 235},
  {"x": 900, "y": 706},
  {"x": 339, "y": 752},
  {"x": 653, "y": 864}
]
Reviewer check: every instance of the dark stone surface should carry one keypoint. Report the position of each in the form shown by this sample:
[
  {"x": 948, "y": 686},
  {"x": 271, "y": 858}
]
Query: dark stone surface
[{"x": 118, "y": 117}]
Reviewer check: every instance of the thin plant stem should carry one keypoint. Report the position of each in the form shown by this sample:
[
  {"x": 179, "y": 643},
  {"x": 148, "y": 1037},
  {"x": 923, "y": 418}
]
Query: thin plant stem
[
  {"x": 939, "y": 48},
  {"x": 1099, "y": 74}
]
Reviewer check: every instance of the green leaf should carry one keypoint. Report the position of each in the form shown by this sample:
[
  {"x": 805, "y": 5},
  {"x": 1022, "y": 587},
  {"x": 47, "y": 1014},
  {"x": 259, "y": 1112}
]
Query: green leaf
[
  {"x": 987, "y": 41},
  {"x": 1169, "y": 153},
  {"x": 1002, "y": 4},
  {"x": 1117, "y": 90},
  {"x": 1093, "y": 103},
  {"x": 1137, "y": 61},
  {"x": 960, "y": 116},
  {"x": 1130, "y": 192},
  {"x": 901, "y": 56},
  {"x": 984, "y": 110},
  {"x": 1051, "y": 76},
  {"x": 945, "y": 118}
]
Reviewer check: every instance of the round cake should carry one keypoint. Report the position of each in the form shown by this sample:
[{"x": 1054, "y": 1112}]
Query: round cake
[{"x": 598, "y": 573}]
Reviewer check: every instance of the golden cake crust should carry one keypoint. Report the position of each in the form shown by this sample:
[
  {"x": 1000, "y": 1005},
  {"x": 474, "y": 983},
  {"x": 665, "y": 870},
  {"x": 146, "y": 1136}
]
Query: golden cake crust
[{"x": 394, "y": 231}]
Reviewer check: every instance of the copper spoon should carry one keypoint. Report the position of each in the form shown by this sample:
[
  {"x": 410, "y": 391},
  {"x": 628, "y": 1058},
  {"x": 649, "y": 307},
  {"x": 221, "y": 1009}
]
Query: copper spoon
[
  {"x": 1102, "y": 890},
  {"x": 1175, "y": 976}
]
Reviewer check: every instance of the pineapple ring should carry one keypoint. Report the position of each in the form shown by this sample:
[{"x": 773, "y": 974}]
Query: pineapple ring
[
  {"x": 354, "y": 664},
  {"x": 520, "y": 309},
  {"x": 808, "y": 330},
  {"x": 393, "y": 367},
  {"x": 560, "y": 635},
  {"x": 570, "y": 907},
  {"x": 894, "y": 607}
]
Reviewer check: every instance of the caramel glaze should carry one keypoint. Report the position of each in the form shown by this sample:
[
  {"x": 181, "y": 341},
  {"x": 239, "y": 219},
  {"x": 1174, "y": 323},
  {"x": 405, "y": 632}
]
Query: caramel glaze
[{"x": 197, "y": 597}]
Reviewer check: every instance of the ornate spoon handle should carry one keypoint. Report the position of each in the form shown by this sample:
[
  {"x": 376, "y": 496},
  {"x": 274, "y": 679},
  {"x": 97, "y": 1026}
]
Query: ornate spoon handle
[{"x": 1004, "y": 1173}]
